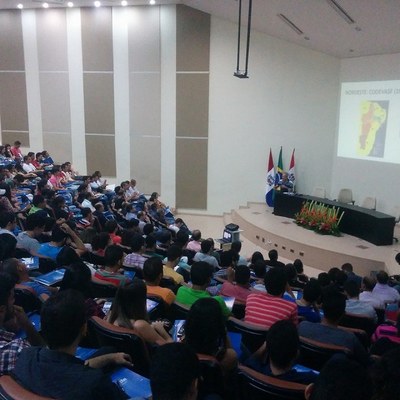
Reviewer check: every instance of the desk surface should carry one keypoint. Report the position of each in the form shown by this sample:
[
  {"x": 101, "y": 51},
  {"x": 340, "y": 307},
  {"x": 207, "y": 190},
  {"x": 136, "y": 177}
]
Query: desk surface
[{"x": 371, "y": 225}]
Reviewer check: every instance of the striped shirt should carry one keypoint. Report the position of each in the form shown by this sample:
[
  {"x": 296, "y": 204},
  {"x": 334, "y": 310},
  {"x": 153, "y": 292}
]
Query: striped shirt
[
  {"x": 265, "y": 309},
  {"x": 113, "y": 278}
]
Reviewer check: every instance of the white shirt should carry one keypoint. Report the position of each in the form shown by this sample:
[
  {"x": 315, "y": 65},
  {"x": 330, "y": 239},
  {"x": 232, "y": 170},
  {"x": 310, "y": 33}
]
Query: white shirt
[
  {"x": 386, "y": 293},
  {"x": 28, "y": 167},
  {"x": 369, "y": 298}
]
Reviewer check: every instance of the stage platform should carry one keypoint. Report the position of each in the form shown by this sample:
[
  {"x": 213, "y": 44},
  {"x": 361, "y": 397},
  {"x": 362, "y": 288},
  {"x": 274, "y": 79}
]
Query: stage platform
[{"x": 268, "y": 231}]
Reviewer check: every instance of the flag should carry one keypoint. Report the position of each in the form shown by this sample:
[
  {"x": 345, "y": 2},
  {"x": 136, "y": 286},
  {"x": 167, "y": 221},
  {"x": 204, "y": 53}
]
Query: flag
[
  {"x": 279, "y": 168},
  {"x": 269, "y": 193},
  {"x": 292, "y": 176}
]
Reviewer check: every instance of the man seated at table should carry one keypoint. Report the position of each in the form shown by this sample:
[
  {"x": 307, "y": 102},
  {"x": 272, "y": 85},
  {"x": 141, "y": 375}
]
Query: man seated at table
[
  {"x": 284, "y": 184},
  {"x": 54, "y": 371}
]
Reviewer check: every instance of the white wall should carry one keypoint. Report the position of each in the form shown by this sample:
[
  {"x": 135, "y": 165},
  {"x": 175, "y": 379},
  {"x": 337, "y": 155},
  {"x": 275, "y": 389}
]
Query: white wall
[
  {"x": 290, "y": 100},
  {"x": 369, "y": 178}
]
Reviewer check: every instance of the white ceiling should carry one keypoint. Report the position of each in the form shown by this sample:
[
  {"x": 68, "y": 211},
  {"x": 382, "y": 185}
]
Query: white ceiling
[{"x": 376, "y": 29}]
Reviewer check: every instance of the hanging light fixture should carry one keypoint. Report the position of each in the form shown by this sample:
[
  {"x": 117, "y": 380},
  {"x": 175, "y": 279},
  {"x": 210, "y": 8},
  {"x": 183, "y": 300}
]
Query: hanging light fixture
[{"x": 240, "y": 73}]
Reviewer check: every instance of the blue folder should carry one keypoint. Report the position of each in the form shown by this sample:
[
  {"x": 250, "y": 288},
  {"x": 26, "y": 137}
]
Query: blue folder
[
  {"x": 133, "y": 384},
  {"x": 84, "y": 353},
  {"x": 51, "y": 278}
]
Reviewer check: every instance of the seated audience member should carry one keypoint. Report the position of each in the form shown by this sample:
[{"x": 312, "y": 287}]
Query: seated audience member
[
  {"x": 351, "y": 276},
  {"x": 151, "y": 246},
  {"x": 195, "y": 243},
  {"x": 87, "y": 220},
  {"x": 152, "y": 273},
  {"x": 47, "y": 159},
  {"x": 354, "y": 305},
  {"x": 383, "y": 291},
  {"x": 78, "y": 277},
  {"x": 56, "y": 180},
  {"x": 111, "y": 274},
  {"x": 238, "y": 283},
  {"x": 291, "y": 276},
  {"x": 174, "y": 373},
  {"x": 59, "y": 236},
  {"x": 19, "y": 273},
  {"x": 136, "y": 259},
  {"x": 367, "y": 296},
  {"x": 228, "y": 259},
  {"x": 236, "y": 247},
  {"x": 99, "y": 207},
  {"x": 256, "y": 256},
  {"x": 273, "y": 259},
  {"x": 27, "y": 240},
  {"x": 200, "y": 275},
  {"x": 111, "y": 227},
  {"x": 100, "y": 243},
  {"x": 324, "y": 279},
  {"x": 39, "y": 205},
  {"x": 259, "y": 270},
  {"x": 206, "y": 333},
  {"x": 267, "y": 308},
  {"x": 277, "y": 356},
  {"x": 8, "y": 223},
  {"x": 129, "y": 311},
  {"x": 205, "y": 254},
  {"x": 16, "y": 151},
  {"x": 333, "y": 306},
  {"x": 6, "y": 203},
  {"x": 54, "y": 371},
  {"x": 302, "y": 278},
  {"x": 8, "y": 244},
  {"x": 174, "y": 254},
  {"x": 59, "y": 208},
  {"x": 307, "y": 305},
  {"x": 10, "y": 345},
  {"x": 341, "y": 379},
  {"x": 385, "y": 375}
]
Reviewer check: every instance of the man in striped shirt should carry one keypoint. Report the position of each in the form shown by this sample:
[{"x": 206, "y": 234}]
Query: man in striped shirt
[{"x": 267, "y": 308}]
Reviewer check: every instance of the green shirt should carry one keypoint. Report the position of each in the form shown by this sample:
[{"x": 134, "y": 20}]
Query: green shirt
[{"x": 188, "y": 296}]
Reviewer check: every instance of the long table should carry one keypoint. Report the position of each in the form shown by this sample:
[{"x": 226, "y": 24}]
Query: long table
[{"x": 373, "y": 226}]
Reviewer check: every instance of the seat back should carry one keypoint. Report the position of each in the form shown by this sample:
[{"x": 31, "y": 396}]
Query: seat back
[
  {"x": 27, "y": 300},
  {"x": 212, "y": 378},
  {"x": 314, "y": 354},
  {"x": 369, "y": 202},
  {"x": 256, "y": 386},
  {"x": 359, "y": 322},
  {"x": 103, "y": 291},
  {"x": 178, "y": 311},
  {"x": 158, "y": 311},
  {"x": 123, "y": 340},
  {"x": 253, "y": 336},
  {"x": 238, "y": 309},
  {"x": 12, "y": 390},
  {"x": 345, "y": 196},
  {"x": 319, "y": 192}
]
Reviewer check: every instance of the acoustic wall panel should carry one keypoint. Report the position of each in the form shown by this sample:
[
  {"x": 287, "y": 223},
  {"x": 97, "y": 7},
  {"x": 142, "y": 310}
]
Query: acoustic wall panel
[
  {"x": 144, "y": 38},
  {"x": 192, "y": 105},
  {"x": 59, "y": 146},
  {"x": 100, "y": 154},
  {"x": 51, "y": 26},
  {"x": 97, "y": 48},
  {"x": 11, "y": 44},
  {"x": 191, "y": 173},
  {"x": 192, "y": 39}
]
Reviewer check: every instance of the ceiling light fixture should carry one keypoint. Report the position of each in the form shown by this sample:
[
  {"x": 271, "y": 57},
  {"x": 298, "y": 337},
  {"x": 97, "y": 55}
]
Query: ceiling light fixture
[
  {"x": 292, "y": 25},
  {"x": 70, "y": 4},
  {"x": 97, "y": 4},
  {"x": 20, "y": 6},
  {"x": 152, "y": 2},
  {"x": 45, "y": 5},
  {"x": 124, "y": 3},
  {"x": 341, "y": 11}
]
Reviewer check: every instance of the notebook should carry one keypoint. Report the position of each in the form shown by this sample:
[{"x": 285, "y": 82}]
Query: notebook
[
  {"x": 31, "y": 263},
  {"x": 133, "y": 384},
  {"x": 51, "y": 278}
]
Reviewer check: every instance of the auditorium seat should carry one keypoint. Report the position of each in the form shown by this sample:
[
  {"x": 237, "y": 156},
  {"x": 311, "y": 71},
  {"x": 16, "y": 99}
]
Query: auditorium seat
[
  {"x": 345, "y": 196},
  {"x": 123, "y": 340},
  {"x": 12, "y": 390},
  {"x": 212, "y": 382},
  {"x": 319, "y": 192},
  {"x": 253, "y": 336},
  {"x": 314, "y": 354},
  {"x": 256, "y": 386},
  {"x": 359, "y": 322},
  {"x": 369, "y": 202},
  {"x": 177, "y": 311},
  {"x": 25, "y": 298}
]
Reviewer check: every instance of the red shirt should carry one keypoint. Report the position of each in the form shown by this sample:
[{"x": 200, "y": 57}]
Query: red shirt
[{"x": 265, "y": 309}]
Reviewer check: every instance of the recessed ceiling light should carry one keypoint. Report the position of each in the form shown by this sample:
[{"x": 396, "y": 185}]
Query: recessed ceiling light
[
  {"x": 124, "y": 3},
  {"x": 20, "y": 6},
  {"x": 70, "y": 4},
  {"x": 45, "y": 5},
  {"x": 152, "y": 2},
  {"x": 97, "y": 4}
]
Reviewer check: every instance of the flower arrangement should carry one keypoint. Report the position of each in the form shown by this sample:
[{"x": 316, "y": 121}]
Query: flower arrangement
[{"x": 320, "y": 218}]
